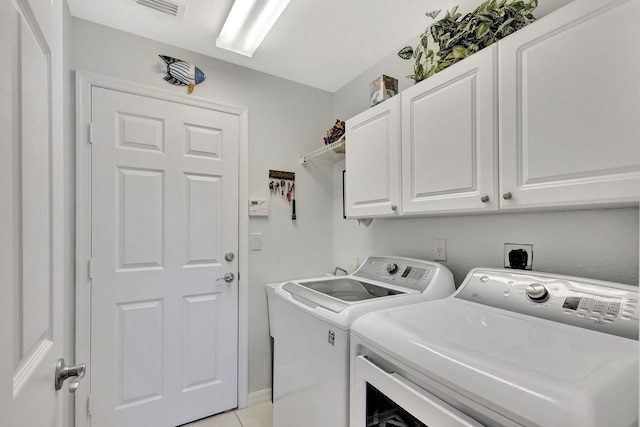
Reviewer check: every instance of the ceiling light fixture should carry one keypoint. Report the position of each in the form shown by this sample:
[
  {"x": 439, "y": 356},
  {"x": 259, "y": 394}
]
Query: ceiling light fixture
[{"x": 248, "y": 23}]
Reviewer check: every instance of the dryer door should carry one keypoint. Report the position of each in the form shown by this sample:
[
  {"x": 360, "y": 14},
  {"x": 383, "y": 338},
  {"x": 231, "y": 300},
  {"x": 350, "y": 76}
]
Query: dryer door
[{"x": 381, "y": 398}]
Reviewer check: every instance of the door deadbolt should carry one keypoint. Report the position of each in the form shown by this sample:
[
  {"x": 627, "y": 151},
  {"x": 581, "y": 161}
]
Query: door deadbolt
[{"x": 229, "y": 256}]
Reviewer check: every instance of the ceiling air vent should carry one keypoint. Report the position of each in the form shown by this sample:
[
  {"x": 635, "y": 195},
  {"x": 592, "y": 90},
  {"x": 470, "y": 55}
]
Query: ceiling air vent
[{"x": 164, "y": 7}]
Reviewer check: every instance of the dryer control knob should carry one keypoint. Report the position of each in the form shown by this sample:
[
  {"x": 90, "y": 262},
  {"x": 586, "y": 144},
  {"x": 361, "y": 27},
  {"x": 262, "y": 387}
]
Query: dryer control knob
[
  {"x": 392, "y": 268},
  {"x": 537, "y": 292}
]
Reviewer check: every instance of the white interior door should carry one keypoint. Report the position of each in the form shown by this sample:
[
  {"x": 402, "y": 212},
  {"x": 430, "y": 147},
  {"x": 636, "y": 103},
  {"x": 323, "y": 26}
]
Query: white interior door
[
  {"x": 31, "y": 212},
  {"x": 164, "y": 217}
]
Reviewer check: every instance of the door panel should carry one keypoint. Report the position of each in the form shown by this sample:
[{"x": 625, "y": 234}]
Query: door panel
[
  {"x": 31, "y": 210},
  {"x": 140, "y": 374},
  {"x": 164, "y": 211},
  {"x": 140, "y": 218},
  {"x": 456, "y": 153},
  {"x": 35, "y": 176},
  {"x": 199, "y": 368},
  {"x": 203, "y": 228}
]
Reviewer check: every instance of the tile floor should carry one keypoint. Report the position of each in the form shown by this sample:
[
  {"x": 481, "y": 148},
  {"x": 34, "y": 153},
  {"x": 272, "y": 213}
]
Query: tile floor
[{"x": 259, "y": 415}]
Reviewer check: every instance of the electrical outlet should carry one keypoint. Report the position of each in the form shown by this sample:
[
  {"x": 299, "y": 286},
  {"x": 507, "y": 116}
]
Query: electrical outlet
[
  {"x": 518, "y": 256},
  {"x": 439, "y": 249}
]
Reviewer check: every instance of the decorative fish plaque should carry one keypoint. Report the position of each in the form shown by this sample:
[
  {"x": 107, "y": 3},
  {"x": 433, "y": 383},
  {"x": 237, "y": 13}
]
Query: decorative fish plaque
[{"x": 180, "y": 72}]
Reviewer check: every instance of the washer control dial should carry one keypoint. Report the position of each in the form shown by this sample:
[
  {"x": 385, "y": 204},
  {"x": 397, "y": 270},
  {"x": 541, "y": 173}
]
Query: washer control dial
[
  {"x": 537, "y": 292},
  {"x": 392, "y": 268}
]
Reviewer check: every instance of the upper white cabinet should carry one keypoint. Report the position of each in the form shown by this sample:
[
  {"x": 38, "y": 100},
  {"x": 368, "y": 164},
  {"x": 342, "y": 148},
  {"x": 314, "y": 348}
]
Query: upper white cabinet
[
  {"x": 449, "y": 139},
  {"x": 548, "y": 117},
  {"x": 570, "y": 108},
  {"x": 373, "y": 162}
]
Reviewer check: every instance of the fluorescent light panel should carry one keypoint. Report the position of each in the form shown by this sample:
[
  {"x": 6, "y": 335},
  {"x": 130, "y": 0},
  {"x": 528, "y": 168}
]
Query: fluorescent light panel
[{"x": 248, "y": 24}]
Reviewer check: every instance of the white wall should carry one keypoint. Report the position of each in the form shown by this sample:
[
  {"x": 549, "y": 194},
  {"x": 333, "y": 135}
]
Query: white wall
[
  {"x": 285, "y": 120},
  {"x": 602, "y": 244}
]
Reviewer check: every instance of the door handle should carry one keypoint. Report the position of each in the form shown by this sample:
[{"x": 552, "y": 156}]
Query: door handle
[
  {"x": 228, "y": 277},
  {"x": 63, "y": 372}
]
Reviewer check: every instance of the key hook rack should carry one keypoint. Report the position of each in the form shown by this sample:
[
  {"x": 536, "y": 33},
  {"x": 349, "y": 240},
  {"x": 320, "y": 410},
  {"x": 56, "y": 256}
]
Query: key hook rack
[{"x": 283, "y": 183}]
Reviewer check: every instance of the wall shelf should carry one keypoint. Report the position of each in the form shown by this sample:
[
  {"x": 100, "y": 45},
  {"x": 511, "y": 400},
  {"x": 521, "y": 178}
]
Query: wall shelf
[{"x": 335, "y": 147}]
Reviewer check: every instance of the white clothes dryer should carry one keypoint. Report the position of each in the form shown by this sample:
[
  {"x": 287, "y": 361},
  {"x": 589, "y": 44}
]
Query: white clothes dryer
[
  {"x": 509, "y": 348},
  {"x": 313, "y": 318}
]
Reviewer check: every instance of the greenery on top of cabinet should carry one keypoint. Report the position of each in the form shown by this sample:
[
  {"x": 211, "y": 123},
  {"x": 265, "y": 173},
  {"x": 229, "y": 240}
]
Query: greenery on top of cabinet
[{"x": 455, "y": 36}]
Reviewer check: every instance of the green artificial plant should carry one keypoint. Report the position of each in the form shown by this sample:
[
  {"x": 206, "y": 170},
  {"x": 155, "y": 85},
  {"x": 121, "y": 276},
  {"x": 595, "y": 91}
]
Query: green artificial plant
[{"x": 455, "y": 36}]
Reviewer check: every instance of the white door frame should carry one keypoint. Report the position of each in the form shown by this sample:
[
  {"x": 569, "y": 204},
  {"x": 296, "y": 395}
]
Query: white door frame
[{"x": 85, "y": 81}]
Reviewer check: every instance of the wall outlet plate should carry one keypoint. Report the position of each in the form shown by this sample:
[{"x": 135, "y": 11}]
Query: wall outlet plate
[
  {"x": 439, "y": 249},
  {"x": 518, "y": 256},
  {"x": 256, "y": 241}
]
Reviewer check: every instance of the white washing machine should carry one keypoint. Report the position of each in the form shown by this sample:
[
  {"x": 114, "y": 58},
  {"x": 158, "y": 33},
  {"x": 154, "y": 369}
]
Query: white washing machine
[
  {"x": 313, "y": 318},
  {"x": 509, "y": 348}
]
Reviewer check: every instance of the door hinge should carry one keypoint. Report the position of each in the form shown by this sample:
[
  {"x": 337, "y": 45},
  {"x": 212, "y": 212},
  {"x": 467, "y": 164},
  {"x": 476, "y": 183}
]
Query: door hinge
[
  {"x": 90, "y": 133},
  {"x": 90, "y": 269},
  {"x": 89, "y": 408}
]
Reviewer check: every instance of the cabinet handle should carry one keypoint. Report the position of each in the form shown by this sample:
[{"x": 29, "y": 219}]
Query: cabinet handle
[
  {"x": 507, "y": 196},
  {"x": 484, "y": 199},
  {"x": 394, "y": 208}
]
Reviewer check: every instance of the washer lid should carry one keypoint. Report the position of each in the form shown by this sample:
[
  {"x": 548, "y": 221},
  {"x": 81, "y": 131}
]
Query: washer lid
[
  {"x": 532, "y": 370},
  {"x": 337, "y": 293}
]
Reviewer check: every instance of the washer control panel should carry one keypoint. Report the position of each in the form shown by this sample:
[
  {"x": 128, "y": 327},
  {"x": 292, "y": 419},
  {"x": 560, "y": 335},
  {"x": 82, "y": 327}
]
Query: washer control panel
[
  {"x": 404, "y": 272},
  {"x": 587, "y": 303}
]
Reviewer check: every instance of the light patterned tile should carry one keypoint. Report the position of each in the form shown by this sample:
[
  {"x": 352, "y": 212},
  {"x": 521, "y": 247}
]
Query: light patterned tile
[
  {"x": 260, "y": 415},
  {"x": 223, "y": 420}
]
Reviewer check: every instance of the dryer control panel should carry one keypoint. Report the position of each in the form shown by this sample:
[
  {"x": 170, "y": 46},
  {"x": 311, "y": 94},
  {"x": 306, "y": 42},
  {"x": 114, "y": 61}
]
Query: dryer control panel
[{"x": 592, "y": 304}]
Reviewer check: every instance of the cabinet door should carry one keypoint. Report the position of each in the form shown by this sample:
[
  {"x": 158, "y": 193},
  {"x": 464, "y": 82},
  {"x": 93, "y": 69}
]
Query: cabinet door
[
  {"x": 449, "y": 139},
  {"x": 569, "y": 104},
  {"x": 372, "y": 185}
]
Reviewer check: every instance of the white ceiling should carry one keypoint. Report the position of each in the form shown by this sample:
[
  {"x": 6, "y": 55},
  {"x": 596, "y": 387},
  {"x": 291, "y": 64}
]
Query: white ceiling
[{"x": 321, "y": 43}]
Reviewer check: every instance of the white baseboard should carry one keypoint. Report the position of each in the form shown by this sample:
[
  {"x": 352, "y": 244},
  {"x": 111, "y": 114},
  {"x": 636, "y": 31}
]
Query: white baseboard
[{"x": 259, "y": 397}]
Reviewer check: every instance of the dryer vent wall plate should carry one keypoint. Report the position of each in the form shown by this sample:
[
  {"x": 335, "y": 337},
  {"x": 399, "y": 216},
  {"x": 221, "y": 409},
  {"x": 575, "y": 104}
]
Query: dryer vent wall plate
[{"x": 518, "y": 256}]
